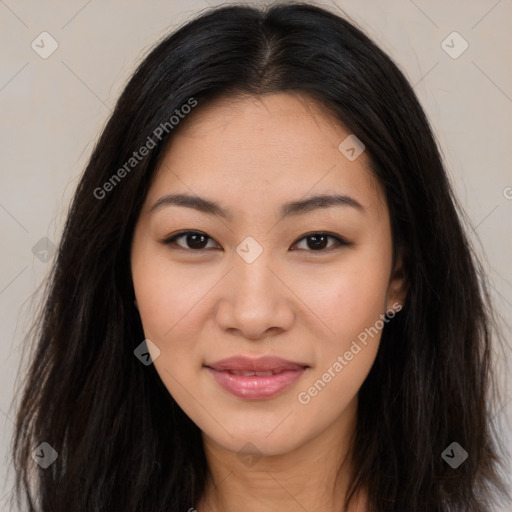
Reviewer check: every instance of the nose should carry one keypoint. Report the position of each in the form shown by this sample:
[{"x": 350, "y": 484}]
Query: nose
[{"x": 255, "y": 301}]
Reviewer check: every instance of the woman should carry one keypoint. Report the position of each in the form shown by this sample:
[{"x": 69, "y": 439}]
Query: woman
[{"x": 263, "y": 295}]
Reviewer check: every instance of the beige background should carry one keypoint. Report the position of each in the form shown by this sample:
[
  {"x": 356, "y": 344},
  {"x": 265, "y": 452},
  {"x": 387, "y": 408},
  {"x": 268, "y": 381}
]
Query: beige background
[{"x": 53, "y": 109}]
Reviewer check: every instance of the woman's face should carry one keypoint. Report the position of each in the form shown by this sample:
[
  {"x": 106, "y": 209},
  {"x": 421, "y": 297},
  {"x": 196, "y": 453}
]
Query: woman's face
[{"x": 258, "y": 279}]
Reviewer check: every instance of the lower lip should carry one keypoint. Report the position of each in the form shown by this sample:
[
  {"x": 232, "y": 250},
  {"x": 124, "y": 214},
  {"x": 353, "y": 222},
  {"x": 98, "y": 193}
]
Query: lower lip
[{"x": 256, "y": 387}]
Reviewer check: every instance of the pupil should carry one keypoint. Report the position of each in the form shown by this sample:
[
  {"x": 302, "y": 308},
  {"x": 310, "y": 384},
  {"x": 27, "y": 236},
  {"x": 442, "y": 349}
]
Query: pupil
[
  {"x": 318, "y": 241},
  {"x": 195, "y": 244},
  {"x": 197, "y": 241}
]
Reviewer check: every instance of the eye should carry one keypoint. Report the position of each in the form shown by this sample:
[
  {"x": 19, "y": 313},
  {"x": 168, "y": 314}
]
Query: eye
[
  {"x": 315, "y": 242},
  {"x": 194, "y": 239}
]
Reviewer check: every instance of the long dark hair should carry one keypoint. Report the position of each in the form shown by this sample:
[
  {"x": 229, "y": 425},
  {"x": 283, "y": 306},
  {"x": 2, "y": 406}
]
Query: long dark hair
[{"x": 123, "y": 443}]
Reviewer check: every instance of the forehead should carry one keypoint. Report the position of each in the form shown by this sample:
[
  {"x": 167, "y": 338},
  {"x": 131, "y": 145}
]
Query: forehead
[{"x": 257, "y": 148}]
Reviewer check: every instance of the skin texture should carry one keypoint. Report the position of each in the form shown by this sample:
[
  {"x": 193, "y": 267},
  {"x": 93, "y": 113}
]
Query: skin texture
[{"x": 303, "y": 304}]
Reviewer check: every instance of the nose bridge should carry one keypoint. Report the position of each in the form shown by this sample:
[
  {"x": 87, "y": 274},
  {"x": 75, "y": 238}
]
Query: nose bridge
[
  {"x": 252, "y": 260},
  {"x": 255, "y": 284},
  {"x": 254, "y": 300}
]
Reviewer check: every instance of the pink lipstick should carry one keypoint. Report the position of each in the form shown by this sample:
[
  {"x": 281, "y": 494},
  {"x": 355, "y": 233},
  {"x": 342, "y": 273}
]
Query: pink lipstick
[{"x": 255, "y": 379}]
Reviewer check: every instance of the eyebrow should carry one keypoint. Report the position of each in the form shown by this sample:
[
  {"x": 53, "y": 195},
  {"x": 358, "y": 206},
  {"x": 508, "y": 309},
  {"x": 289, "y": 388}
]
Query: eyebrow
[{"x": 292, "y": 208}]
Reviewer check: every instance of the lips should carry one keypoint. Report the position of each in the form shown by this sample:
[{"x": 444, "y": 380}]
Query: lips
[
  {"x": 249, "y": 373},
  {"x": 255, "y": 379},
  {"x": 263, "y": 365}
]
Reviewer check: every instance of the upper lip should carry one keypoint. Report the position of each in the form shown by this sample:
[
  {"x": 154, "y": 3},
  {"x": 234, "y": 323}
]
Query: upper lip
[{"x": 261, "y": 364}]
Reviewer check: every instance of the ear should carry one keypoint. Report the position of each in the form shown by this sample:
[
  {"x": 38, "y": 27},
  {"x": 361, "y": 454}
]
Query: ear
[{"x": 397, "y": 288}]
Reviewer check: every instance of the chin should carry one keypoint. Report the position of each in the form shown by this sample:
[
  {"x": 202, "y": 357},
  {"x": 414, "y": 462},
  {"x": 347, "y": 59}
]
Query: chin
[{"x": 248, "y": 441}]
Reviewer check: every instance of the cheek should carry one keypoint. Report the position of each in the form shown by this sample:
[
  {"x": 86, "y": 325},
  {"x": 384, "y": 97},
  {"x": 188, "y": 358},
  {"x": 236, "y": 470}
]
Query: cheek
[
  {"x": 168, "y": 299},
  {"x": 168, "y": 296},
  {"x": 350, "y": 305},
  {"x": 348, "y": 298}
]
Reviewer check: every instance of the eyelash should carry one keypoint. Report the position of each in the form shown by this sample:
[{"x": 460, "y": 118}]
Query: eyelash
[{"x": 340, "y": 242}]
